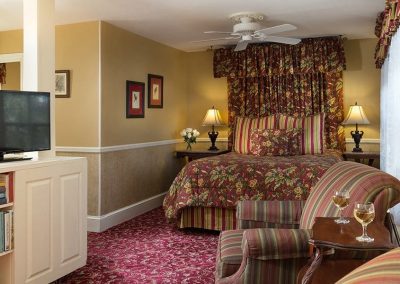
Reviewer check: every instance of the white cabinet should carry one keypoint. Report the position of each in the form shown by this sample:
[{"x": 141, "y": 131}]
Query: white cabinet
[{"x": 50, "y": 205}]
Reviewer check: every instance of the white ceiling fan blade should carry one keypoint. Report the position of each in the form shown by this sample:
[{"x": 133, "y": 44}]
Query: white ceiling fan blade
[
  {"x": 286, "y": 40},
  {"x": 218, "y": 32},
  {"x": 277, "y": 29},
  {"x": 241, "y": 45},
  {"x": 216, "y": 39}
]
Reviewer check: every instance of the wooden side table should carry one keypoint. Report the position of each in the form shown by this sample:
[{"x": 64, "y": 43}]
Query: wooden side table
[
  {"x": 197, "y": 154},
  {"x": 359, "y": 156},
  {"x": 327, "y": 236}
]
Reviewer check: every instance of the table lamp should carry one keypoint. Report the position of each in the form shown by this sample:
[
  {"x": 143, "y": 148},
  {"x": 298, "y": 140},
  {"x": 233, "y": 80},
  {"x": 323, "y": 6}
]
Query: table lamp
[
  {"x": 356, "y": 116},
  {"x": 212, "y": 118}
]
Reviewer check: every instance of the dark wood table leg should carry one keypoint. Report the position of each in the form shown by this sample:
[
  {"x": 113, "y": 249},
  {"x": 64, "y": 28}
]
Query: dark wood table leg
[{"x": 314, "y": 265}]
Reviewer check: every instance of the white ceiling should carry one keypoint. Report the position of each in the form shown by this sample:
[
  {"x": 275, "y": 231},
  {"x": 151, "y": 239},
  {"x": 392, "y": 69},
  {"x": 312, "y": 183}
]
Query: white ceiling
[{"x": 177, "y": 23}]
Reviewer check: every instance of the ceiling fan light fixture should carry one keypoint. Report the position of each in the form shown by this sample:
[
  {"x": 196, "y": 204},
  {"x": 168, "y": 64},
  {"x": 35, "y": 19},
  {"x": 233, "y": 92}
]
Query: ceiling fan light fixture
[{"x": 246, "y": 27}]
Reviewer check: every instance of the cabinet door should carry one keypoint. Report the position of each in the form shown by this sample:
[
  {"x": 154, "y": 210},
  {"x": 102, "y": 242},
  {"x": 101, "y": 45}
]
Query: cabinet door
[{"x": 50, "y": 221}]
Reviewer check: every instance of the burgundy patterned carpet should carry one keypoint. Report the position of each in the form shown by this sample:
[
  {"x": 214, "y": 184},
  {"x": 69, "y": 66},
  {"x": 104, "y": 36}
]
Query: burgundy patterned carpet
[{"x": 148, "y": 250}]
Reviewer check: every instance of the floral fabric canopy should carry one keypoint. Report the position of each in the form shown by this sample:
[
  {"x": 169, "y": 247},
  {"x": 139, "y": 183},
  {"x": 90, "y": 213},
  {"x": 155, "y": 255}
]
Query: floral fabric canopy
[
  {"x": 297, "y": 80},
  {"x": 387, "y": 24},
  {"x": 2, "y": 73}
]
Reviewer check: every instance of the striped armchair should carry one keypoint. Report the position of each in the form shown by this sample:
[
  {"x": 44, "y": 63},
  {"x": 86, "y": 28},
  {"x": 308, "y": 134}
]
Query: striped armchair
[
  {"x": 271, "y": 244},
  {"x": 382, "y": 269}
]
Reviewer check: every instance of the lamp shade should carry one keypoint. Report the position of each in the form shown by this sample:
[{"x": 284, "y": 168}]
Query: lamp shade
[
  {"x": 212, "y": 118},
  {"x": 356, "y": 115}
]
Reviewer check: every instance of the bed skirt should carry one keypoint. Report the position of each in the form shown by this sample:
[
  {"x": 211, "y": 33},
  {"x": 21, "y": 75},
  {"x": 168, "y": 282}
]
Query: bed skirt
[{"x": 210, "y": 218}]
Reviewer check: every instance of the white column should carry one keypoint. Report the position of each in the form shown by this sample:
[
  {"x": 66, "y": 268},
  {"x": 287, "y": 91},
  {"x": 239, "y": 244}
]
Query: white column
[{"x": 39, "y": 54}]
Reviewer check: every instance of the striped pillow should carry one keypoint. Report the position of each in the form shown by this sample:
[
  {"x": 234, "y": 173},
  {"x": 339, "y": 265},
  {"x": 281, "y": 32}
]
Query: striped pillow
[
  {"x": 312, "y": 141},
  {"x": 243, "y": 128}
]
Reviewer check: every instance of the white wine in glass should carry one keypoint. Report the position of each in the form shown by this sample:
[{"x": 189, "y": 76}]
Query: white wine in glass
[
  {"x": 364, "y": 214},
  {"x": 341, "y": 200}
]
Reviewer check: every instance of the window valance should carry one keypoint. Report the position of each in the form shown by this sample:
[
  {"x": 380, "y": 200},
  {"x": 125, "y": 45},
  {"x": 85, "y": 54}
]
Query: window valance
[
  {"x": 387, "y": 24},
  {"x": 270, "y": 59}
]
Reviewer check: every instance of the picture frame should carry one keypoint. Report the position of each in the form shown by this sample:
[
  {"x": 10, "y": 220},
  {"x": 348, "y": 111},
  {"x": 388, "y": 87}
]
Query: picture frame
[
  {"x": 155, "y": 91},
  {"x": 62, "y": 84},
  {"x": 135, "y": 92}
]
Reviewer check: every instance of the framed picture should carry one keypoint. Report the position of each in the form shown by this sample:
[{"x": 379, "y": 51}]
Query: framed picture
[
  {"x": 134, "y": 99},
  {"x": 155, "y": 91},
  {"x": 62, "y": 88}
]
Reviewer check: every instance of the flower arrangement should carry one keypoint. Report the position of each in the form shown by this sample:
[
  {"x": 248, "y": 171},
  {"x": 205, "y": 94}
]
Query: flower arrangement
[{"x": 189, "y": 136}]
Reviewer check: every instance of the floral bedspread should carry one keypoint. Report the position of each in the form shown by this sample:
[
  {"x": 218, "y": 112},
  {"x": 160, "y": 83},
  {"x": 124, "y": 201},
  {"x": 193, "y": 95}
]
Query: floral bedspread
[{"x": 223, "y": 180}]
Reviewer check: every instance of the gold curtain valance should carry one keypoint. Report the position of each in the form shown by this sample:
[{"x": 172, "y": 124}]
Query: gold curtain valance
[
  {"x": 387, "y": 24},
  {"x": 271, "y": 59}
]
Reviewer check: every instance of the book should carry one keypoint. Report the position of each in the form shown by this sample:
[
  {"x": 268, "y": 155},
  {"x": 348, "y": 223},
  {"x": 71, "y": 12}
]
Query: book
[
  {"x": 1, "y": 231},
  {"x": 7, "y": 231},
  {"x": 3, "y": 199},
  {"x": 7, "y": 181}
]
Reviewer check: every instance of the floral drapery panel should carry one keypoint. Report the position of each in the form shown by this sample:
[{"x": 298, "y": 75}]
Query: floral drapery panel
[
  {"x": 297, "y": 80},
  {"x": 387, "y": 24},
  {"x": 2, "y": 73}
]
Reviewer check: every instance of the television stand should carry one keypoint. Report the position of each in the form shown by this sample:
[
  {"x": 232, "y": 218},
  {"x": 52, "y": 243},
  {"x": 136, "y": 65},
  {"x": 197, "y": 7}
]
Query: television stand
[{"x": 14, "y": 159}]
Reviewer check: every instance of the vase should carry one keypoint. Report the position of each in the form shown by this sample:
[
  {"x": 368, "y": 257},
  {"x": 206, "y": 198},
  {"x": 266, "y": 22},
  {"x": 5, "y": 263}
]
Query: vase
[{"x": 188, "y": 146}]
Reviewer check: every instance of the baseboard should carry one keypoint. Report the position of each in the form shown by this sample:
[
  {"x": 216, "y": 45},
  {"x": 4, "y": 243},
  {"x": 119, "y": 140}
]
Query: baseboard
[{"x": 104, "y": 222}]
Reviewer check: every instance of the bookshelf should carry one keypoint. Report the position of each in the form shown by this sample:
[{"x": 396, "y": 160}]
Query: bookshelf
[{"x": 49, "y": 204}]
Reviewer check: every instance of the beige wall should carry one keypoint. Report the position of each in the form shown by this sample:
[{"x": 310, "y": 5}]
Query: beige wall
[
  {"x": 77, "y": 50},
  {"x": 361, "y": 84},
  {"x": 126, "y": 56},
  {"x": 205, "y": 91},
  {"x": 13, "y": 78},
  {"x": 11, "y": 42}
]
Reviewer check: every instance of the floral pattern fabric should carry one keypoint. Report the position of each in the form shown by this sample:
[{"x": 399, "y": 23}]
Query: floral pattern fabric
[
  {"x": 2, "y": 73},
  {"x": 223, "y": 180},
  {"x": 296, "y": 80},
  {"x": 275, "y": 142},
  {"x": 387, "y": 24}
]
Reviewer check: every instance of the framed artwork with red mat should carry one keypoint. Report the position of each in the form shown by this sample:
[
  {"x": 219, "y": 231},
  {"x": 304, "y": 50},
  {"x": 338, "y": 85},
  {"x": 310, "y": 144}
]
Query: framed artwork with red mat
[
  {"x": 134, "y": 99},
  {"x": 155, "y": 91}
]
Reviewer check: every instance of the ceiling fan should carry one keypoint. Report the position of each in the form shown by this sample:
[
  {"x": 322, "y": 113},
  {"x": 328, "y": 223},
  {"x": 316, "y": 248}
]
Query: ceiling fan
[{"x": 247, "y": 29}]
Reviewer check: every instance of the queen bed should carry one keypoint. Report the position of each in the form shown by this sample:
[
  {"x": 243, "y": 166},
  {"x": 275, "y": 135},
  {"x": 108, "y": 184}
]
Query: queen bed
[{"x": 205, "y": 192}]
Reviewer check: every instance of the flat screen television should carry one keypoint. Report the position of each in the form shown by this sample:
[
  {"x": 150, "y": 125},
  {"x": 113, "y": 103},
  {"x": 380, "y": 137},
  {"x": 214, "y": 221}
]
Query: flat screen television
[{"x": 24, "y": 122}]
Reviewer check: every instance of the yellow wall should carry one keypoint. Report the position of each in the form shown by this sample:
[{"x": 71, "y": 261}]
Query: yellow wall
[
  {"x": 13, "y": 77},
  {"x": 361, "y": 84},
  {"x": 11, "y": 42},
  {"x": 126, "y": 56},
  {"x": 77, "y": 50},
  {"x": 204, "y": 91}
]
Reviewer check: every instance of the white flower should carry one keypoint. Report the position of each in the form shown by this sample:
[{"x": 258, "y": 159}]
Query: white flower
[
  {"x": 189, "y": 135},
  {"x": 189, "y": 130},
  {"x": 183, "y": 133},
  {"x": 196, "y": 133}
]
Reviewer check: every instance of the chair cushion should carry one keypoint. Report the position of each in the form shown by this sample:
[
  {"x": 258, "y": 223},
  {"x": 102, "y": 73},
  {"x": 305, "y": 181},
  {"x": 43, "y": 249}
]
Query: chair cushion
[{"x": 229, "y": 252}]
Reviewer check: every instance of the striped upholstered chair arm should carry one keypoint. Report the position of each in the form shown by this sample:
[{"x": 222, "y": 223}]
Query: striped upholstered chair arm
[
  {"x": 382, "y": 269},
  {"x": 269, "y": 214},
  {"x": 266, "y": 244}
]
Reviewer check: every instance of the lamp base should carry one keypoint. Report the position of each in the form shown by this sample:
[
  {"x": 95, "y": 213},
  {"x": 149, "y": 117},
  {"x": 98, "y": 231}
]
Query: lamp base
[
  {"x": 357, "y": 135},
  {"x": 213, "y": 137}
]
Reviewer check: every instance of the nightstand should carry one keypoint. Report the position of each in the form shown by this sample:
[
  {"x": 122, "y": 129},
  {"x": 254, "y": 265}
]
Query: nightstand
[
  {"x": 327, "y": 237},
  {"x": 359, "y": 156},
  {"x": 197, "y": 154}
]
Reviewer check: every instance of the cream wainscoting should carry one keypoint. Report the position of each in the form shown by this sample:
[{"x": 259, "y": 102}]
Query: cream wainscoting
[{"x": 126, "y": 180}]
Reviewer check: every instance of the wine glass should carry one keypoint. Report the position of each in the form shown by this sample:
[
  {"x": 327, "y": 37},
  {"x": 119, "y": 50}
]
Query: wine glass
[
  {"x": 364, "y": 214},
  {"x": 341, "y": 200}
]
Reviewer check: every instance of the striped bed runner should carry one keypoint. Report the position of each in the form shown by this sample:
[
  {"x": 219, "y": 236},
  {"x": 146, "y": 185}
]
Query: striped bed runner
[{"x": 210, "y": 218}]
